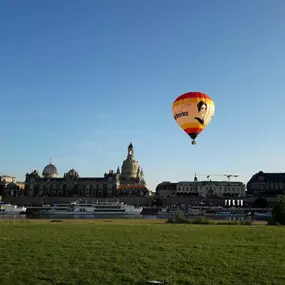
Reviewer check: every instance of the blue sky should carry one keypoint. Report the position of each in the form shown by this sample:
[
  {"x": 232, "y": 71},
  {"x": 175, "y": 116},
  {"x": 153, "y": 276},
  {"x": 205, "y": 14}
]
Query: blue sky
[{"x": 79, "y": 80}]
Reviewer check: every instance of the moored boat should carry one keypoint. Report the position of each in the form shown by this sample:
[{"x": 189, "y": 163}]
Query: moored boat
[
  {"x": 92, "y": 209},
  {"x": 263, "y": 214},
  {"x": 10, "y": 209},
  {"x": 231, "y": 214}
]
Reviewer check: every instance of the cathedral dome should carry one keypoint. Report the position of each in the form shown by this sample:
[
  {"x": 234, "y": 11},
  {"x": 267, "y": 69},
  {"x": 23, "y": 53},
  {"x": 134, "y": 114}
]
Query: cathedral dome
[
  {"x": 130, "y": 165},
  {"x": 50, "y": 171}
]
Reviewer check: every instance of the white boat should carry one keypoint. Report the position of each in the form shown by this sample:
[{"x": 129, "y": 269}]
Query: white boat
[
  {"x": 229, "y": 213},
  {"x": 266, "y": 214},
  {"x": 10, "y": 209},
  {"x": 98, "y": 208},
  {"x": 194, "y": 212},
  {"x": 168, "y": 211}
]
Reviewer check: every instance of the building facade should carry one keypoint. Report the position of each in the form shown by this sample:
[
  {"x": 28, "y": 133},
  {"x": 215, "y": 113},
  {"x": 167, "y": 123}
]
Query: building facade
[
  {"x": 131, "y": 176},
  {"x": 204, "y": 189},
  {"x": 127, "y": 182},
  {"x": 10, "y": 186},
  {"x": 266, "y": 184},
  {"x": 5, "y": 179},
  {"x": 166, "y": 189},
  {"x": 70, "y": 185}
]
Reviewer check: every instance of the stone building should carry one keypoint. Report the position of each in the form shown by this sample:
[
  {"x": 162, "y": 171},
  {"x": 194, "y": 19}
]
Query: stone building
[
  {"x": 5, "y": 179},
  {"x": 206, "y": 189},
  {"x": 166, "y": 189},
  {"x": 10, "y": 186},
  {"x": 131, "y": 176},
  {"x": 70, "y": 185},
  {"x": 127, "y": 182},
  {"x": 211, "y": 189},
  {"x": 266, "y": 184}
]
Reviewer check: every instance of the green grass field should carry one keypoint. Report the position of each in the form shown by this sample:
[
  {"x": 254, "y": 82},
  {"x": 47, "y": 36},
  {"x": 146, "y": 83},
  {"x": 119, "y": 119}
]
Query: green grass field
[{"x": 132, "y": 252}]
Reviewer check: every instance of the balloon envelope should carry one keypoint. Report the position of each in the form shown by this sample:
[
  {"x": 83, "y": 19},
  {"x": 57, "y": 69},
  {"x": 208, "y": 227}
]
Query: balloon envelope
[{"x": 193, "y": 111}]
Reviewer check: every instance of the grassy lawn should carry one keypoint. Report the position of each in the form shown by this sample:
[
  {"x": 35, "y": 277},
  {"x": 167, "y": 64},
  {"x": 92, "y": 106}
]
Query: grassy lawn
[{"x": 132, "y": 252}]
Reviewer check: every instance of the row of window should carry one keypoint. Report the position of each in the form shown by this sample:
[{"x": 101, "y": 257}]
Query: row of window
[
  {"x": 211, "y": 188},
  {"x": 209, "y": 194},
  {"x": 72, "y": 186},
  {"x": 272, "y": 187}
]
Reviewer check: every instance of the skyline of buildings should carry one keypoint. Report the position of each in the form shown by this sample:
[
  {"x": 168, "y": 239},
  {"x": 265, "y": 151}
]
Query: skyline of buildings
[
  {"x": 129, "y": 178},
  {"x": 83, "y": 116},
  {"x": 136, "y": 172},
  {"x": 128, "y": 183}
]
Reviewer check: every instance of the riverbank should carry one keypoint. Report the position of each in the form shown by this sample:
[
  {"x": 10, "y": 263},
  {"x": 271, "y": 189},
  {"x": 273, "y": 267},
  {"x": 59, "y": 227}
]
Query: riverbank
[
  {"x": 108, "y": 221},
  {"x": 134, "y": 251},
  {"x": 116, "y": 221},
  {"x": 143, "y": 201}
]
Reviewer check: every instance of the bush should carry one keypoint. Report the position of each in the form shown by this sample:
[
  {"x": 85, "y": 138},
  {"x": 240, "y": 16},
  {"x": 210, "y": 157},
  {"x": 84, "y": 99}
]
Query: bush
[
  {"x": 179, "y": 219},
  {"x": 272, "y": 222},
  {"x": 278, "y": 212},
  {"x": 201, "y": 221},
  {"x": 245, "y": 223},
  {"x": 234, "y": 223}
]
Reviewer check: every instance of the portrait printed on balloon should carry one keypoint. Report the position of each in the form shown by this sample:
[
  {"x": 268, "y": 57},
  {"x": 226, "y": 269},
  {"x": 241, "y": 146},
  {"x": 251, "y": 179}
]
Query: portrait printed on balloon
[{"x": 202, "y": 109}]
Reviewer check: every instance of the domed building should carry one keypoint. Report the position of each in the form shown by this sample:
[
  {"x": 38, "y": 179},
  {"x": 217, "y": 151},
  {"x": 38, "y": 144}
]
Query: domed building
[
  {"x": 127, "y": 182},
  {"x": 50, "y": 171},
  {"x": 131, "y": 171},
  {"x": 131, "y": 177},
  {"x": 70, "y": 185}
]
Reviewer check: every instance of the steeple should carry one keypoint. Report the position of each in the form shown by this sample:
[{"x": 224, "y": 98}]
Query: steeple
[
  {"x": 118, "y": 170},
  {"x": 130, "y": 150},
  {"x": 195, "y": 178}
]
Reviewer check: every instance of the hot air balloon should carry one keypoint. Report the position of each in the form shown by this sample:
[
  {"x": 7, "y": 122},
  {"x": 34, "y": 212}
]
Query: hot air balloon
[{"x": 193, "y": 111}]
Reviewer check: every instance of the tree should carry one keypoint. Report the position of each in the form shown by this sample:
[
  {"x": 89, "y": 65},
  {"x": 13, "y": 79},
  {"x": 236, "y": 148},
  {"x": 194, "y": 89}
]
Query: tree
[{"x": 278, "y": 211}]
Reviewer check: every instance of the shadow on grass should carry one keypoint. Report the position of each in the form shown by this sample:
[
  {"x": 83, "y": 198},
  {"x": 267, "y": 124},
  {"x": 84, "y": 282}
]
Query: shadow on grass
[
  {"x": 182, "y": 219},
  {"x": 151, "y": 282}
]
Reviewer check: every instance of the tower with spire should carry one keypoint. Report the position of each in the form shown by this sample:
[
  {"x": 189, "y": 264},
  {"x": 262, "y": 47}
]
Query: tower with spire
[
  {"x": 131, "y": 176},
  {"x": 131, "y": 151},
  {"x": 131, "y": 171}
]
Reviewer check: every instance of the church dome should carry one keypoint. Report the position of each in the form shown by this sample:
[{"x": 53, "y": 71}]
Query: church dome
[
  {"x": 130, "y": 165},
  {"x": 50, "y": 171}
]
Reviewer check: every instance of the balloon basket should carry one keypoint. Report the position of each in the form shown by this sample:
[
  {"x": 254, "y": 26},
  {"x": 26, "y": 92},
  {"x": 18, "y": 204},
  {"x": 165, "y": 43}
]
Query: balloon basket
[{"x": 193, "y": 142}]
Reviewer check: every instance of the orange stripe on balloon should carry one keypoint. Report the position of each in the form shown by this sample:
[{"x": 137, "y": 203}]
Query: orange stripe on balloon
[
  {"x": 193, "y": 130},
  {"x": 192, "y": 125}
]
